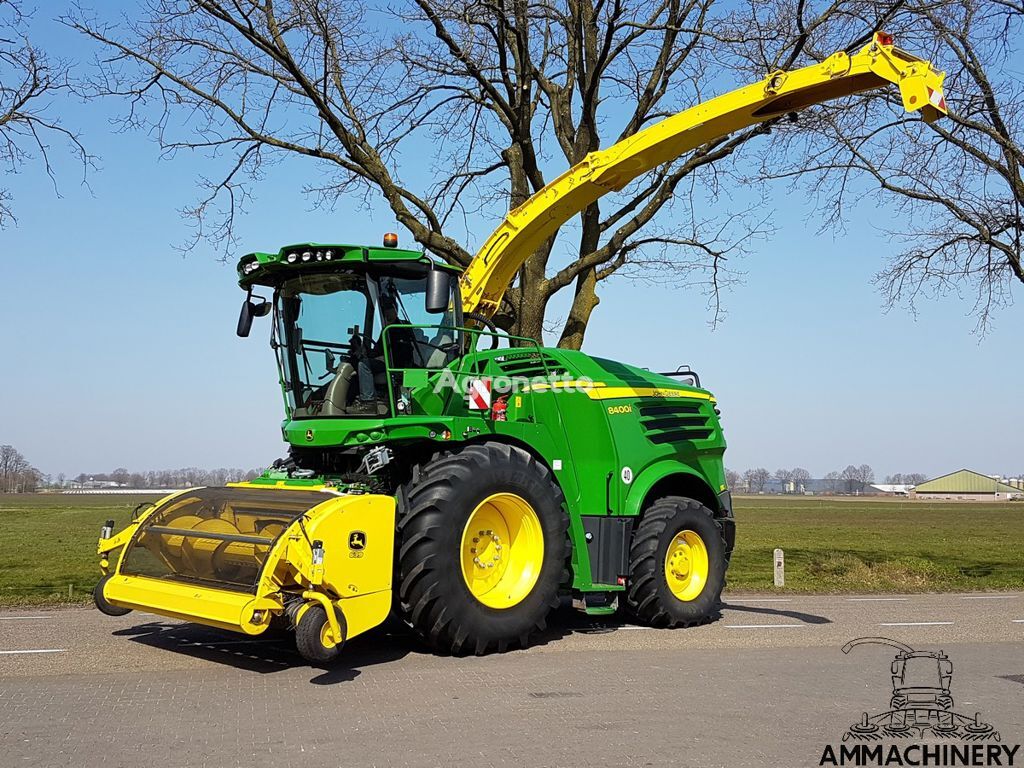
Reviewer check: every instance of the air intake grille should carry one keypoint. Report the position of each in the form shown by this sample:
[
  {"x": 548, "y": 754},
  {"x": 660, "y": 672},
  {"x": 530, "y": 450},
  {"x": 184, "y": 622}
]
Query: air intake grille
[
  {"x": 529, "y": 365},
  {"x": 673, "y": 422}
]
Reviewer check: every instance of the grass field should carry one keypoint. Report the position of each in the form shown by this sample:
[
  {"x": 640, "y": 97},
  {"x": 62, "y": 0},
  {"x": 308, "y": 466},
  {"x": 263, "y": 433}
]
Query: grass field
[
  {"x": 885, "y": 545},
  {"x": 47, "y": 543}
]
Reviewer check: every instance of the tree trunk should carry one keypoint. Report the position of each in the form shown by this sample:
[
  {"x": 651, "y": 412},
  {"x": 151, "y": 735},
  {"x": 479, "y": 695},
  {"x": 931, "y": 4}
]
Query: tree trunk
[
  {"x": 584, "y": 298},
  {"x": 584, "y": 302}
]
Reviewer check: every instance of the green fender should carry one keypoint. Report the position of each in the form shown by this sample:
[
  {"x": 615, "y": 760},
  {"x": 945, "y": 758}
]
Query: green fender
[{"x": 651, "y": 476}]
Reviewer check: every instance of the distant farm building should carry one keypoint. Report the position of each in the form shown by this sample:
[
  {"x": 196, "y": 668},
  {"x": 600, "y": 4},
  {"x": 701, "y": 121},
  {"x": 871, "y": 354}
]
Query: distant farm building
[
  {"x": 966, "y": 485},
  {"x": 893, "y": 489}
]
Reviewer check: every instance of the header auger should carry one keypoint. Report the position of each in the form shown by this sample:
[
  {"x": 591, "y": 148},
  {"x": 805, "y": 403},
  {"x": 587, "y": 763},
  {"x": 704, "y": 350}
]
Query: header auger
[{"x": 464, "y": 486}]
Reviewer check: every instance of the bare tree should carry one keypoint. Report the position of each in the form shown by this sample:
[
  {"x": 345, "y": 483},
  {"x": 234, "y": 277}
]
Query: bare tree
[
  {"x": 732, "y": 478},
  {"x": 801, "y": 478},
  {"x": 834, "y": 480},
  {"x": 16, "y": 474},
  {"x": 865, "y": 474},
  {"x": 505, "y": 96},
  {"x": 955, "y": 187},
  {"x": 850, "y": 477},
  {"x": 784, "y": 477},
  {"x": 29, "y": 79},
  {"x": 756, "y": 479}
]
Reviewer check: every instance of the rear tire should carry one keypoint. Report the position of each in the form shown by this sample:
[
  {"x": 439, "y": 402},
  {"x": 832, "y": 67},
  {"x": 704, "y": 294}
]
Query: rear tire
[
  {"x": 311, "y": 637},
  {"x": 101, "y": 602},
  {"x": 677, "y": 564},
  {"x": 466, "y": 590}
]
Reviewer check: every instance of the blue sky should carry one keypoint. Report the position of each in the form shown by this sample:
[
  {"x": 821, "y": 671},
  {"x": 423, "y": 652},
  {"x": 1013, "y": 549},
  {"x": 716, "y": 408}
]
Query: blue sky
[{"x": 121, "y": 352}]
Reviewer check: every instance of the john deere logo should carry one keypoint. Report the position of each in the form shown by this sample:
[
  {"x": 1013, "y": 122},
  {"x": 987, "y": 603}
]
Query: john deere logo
[
  {"x": 357, "y": 541},
  {"x": 309, "y": 435}
]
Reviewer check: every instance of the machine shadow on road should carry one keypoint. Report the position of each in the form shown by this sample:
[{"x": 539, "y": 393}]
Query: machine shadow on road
[
  {"x": 806, "y": 618},
  {"x": 274, "y": 651}
]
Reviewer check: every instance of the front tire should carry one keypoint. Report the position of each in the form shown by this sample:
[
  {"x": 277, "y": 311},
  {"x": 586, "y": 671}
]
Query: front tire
[
  {"x": 677, "y": 564},
  {"x": 482, "y": 548}
]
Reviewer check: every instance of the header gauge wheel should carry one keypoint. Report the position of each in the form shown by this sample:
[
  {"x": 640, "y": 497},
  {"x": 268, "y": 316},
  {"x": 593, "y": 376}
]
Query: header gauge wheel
[
  {"x": 103, "y": 604},
  {"x": 677, "y": 564},
  {"x": 314, "y": 639}
]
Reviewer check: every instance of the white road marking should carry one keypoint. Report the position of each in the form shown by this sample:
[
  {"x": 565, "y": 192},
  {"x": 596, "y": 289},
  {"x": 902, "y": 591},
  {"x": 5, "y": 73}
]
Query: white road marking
[
  {"x": 22, "y": 618},
  {"x": 763, "y": 600},
  {"x": 877, "y": 599},
  {"x": 989, "y": 597},
  {"x": 35, "y": 650},
  {"x": 762, "y": 626},
  {"x": 916, "y": 624},
  {"x": 1018, "y": 621}
]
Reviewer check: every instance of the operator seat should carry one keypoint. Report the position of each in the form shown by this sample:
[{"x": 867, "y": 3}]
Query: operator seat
[
  {"x": 336, "y": 398},
  {"x": 439, "y": 358}
]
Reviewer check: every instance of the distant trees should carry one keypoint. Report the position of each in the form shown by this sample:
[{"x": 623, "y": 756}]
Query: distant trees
[
  {"x": 793, "y": 480},
  {"x": 16, "y": 474},
  {"x": 852, "y": 477},
  {"x": 169, "y": 478},
  {"x": 784, "y": 477},
  {"x": 911, "y": 478},
  {"x": 756, "y": 479},
  {"x": 801, "y": 478}
]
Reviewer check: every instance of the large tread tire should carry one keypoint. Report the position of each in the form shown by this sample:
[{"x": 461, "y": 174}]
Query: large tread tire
[
  {"x": 434, "y": 507},
  {"x": 648, "y": 597},
  {"x": 309, "y": 637},
  {"x": 103, "y": 604}
]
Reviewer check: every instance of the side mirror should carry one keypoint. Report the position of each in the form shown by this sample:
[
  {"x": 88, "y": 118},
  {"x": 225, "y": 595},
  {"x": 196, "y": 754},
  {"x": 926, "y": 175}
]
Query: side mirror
[
  {"x": 251, "y": 309},
  {"x": 439, "y": 291}
]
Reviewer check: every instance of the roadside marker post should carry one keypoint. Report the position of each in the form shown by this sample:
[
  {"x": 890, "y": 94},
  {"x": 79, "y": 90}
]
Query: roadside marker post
[{"x": 780, "y": 568}]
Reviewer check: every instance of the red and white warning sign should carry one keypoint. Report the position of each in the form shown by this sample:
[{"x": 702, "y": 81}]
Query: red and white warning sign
[
  {"x": 937, "y": 99},
  {"x": 478, "y": 394}
]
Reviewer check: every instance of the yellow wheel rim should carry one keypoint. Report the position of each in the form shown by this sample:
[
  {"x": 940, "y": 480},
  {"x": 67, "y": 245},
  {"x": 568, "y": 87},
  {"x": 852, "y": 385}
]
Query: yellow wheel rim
[
  {"x": 686, "y": 565},
  {"x": 502, "y": 550},
  {"x": 326, "y": 636}
]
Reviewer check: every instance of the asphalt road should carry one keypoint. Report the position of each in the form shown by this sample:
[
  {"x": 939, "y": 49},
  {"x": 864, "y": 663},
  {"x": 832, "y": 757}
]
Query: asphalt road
[{"x": 765, "y": 685}]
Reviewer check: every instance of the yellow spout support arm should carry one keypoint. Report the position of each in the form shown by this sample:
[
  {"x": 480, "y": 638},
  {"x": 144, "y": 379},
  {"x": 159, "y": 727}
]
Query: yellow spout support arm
[{"x": 528, "y": 226}]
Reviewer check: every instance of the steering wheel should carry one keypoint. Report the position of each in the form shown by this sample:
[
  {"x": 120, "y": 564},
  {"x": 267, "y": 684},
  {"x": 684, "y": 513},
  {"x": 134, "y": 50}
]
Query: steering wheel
[{"x": 485, "y": 321}]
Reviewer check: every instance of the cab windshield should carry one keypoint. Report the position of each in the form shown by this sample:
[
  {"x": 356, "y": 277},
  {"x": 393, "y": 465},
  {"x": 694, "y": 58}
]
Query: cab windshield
[{"x": 333, "y": 355}]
